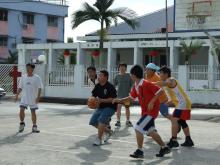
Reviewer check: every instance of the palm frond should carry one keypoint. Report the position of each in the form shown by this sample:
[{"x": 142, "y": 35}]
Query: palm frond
[
  {"x": 103, "y": 5},
  {"x": 85, "y": 14}
]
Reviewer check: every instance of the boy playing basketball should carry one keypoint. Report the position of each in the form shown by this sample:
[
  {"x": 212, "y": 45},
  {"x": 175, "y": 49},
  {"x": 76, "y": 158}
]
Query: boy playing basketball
[
  {"x": 148, "y": 95},
  {"x": 30, "y": 87},
  {"x": 183, "y": 108}
]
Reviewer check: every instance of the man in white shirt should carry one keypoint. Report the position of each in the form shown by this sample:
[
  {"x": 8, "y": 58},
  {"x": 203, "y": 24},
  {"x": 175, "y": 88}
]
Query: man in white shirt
[
  {"x": 30, "y": 89},
  {"x": 92, "y": 76}
]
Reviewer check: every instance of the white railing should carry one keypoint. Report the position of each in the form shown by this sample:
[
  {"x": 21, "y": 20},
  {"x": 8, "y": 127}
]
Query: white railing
[
  {"x": 57, "y": 2},
  {"x": 198, "y": 72},
  {"x": 61, "y": 76},
  {"x": 216, "y": 72},
  {"x": 98, "y": 68}
]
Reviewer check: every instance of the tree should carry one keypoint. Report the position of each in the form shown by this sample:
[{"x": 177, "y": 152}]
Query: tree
[
  {"x": 102, "y": 13},
  {"x": 215, "y": 48},
  {"x": 189, "y": 48},
  {"x": 13, "y": 58}
]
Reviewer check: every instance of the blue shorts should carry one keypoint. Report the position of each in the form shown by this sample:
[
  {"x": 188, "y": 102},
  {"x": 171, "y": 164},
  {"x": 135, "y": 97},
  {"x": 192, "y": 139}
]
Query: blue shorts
[
  {"x": 164, "y": 109},
  {"x": 101, "y": 115}
]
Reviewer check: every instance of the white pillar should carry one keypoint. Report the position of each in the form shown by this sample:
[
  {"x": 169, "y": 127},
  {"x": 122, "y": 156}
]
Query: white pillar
[
  {"x": 22, "y": 60},
  {"x": 138, "y": 55},
  {"x": 111, "y": 57},
  {"x": 80, "y": 56},
  {"x": 50, "y": 58},
  {"x": 171, "y": 62},
  {"x": 67, "y": 60},
  {"x": 183, "y": 76},
  {"x": 211, "y": 66}
]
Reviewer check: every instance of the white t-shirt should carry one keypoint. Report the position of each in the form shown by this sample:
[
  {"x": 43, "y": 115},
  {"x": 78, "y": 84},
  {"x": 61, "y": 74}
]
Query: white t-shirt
[{"x": 30, "y": 86}]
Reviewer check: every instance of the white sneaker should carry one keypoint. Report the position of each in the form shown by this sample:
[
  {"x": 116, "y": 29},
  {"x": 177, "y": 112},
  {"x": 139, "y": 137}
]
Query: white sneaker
[
  {"x": 21, "y": 127},
  {"x": 108, "y": 136},
  {"x": 97, "y": 142}
]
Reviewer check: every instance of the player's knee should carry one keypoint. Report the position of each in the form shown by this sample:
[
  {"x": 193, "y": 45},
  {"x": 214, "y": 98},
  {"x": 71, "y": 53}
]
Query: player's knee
[{"x": 183, "y": 124}]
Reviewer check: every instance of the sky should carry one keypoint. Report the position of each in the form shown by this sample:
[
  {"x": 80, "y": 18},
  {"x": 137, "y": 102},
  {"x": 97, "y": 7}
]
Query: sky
[{"x": 141, "y": 7}]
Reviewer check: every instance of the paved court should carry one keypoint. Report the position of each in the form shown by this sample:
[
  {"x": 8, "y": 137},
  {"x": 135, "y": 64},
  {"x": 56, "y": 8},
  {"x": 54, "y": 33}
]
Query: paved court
[{"x": 66, "y": 139}]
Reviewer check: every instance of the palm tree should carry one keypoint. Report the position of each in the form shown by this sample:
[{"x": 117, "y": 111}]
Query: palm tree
[
  {"x": 190, "y": 48},
  {"x": 102, "y": 13}
]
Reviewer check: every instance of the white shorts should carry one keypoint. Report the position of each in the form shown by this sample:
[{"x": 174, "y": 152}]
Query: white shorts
[
  {"x": 32, "y": 107},
  {"x": 145, "y": 125}
]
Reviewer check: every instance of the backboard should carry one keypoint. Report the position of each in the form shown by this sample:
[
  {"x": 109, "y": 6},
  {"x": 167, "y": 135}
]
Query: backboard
[{"x": 196, "y": 15}]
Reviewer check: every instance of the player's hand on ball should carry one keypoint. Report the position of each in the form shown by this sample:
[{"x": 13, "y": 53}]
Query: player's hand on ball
[{"x": 93, "y": 103}]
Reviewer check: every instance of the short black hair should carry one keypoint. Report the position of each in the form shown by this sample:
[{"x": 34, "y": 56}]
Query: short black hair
[
  {"x": 137, "y": 70},
  {"x": 105, "y": 72},
  {"x": 123, "y": 64},
  {"x": 91, "y": 68},
  {"x": 30, "y": 65},
  {"x": 165, "y": 70}
]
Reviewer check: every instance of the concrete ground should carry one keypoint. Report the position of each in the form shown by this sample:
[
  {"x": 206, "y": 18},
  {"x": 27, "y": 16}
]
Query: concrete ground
[{"x": 66, "y": 139}]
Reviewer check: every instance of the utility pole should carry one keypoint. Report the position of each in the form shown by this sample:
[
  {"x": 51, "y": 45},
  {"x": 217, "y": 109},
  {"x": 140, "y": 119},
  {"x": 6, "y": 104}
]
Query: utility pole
[{"x": 167, "y": 46}]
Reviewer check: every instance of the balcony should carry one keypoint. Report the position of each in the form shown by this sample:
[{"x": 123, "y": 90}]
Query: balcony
[
  {"x": 4, "y": 28},
  {"x": 28, "y": 31},
  {"x": 52, "y": 33}
]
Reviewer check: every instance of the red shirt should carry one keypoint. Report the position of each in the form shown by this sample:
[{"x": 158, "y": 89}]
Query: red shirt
[{"x": 145, "y": 91}]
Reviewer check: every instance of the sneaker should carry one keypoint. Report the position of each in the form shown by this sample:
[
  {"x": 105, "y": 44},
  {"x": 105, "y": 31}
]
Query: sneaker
[
  {"x": 129, "y": 124},
  {"x": 173, "y": 143},
  {"x": 97, "y": 142},
  {"x": 108, "y": 136},
  {"x": 138, "y": 154},
  {"x": 21, "y": 127},
  {"x": 188, "y": 143},
  {"x": 35, "y": 130},
  {"x": 163, "y": 151},
  {"x": 118, "y": 124}
]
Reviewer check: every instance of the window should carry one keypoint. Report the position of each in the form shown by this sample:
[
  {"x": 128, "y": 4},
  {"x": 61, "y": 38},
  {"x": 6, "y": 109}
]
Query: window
[
  {"x": 28, "y": 18},
  {"x": 3, "y": 15},
  {"x": 52, "y": 21},
  {"x": 3, "y": 41},
  {"x": 27, "y": 40},
  {"x": 51, "y": 41}
]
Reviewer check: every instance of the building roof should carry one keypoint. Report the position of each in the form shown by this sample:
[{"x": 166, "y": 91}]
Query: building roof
[{"x": 149, "y": 23}]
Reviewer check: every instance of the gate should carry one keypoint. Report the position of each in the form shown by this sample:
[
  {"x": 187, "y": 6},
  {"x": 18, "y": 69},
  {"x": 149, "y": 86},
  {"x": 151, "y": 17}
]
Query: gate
[{"x": 6, "y": 82}]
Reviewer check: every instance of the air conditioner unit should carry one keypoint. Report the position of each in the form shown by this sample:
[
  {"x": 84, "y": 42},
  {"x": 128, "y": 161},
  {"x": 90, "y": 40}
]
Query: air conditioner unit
[{"x": 25, "y": 26}]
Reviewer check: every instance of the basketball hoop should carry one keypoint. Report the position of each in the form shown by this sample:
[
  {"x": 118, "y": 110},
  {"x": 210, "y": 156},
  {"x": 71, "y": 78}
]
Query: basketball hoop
[
  {"x": 198, "y": 14},
  {"x": 196, "y": 21}
]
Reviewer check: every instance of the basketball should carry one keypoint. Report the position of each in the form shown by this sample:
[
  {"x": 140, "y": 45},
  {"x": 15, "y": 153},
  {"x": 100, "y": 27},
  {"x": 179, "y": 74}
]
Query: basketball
[
  {"x": 93, "y": 103},
  {"x": 127, "y": 104}
]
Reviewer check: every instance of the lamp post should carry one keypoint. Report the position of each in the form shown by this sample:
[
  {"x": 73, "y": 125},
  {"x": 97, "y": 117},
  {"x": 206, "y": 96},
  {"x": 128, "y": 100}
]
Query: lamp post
[{"x": 167, "y": 46}]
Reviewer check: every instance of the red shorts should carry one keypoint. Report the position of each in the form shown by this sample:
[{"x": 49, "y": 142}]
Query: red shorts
[{"x": 183, "y": 114}]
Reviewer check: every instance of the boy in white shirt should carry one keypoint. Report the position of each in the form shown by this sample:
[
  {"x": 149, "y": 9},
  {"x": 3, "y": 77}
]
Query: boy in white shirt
[{"x": 30, "y": 89}]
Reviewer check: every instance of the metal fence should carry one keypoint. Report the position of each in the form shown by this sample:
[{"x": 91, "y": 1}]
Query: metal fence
[
  {"x": 61, "y": 76},
  {"x": 6, "y": 82}
]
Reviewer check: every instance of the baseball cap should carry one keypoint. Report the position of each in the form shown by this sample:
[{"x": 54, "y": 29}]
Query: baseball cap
[{"x": 152, "y": 66}]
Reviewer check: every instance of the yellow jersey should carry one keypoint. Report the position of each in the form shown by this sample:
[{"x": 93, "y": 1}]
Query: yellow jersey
[{"x": 178, "y": 93}]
